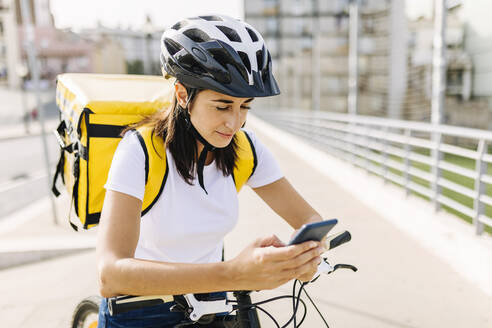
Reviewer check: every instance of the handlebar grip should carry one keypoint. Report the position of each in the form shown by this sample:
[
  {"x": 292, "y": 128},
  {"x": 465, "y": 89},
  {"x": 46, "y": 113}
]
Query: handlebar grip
[{"x": 338, "y": 240}]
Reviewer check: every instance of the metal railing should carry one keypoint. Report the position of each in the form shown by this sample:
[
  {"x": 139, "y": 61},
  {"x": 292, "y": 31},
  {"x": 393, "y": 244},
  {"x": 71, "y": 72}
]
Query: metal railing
[{"x": 446, "y": 164}]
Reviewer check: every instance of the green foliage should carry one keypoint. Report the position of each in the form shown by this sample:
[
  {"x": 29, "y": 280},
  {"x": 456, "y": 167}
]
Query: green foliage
[
  {"x": 453, "y": 177},
  {"x": 135, "y": 67}
]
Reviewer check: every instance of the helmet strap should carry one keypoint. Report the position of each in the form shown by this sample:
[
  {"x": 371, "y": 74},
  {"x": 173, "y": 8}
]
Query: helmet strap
[{"x": 206, "y": 145}]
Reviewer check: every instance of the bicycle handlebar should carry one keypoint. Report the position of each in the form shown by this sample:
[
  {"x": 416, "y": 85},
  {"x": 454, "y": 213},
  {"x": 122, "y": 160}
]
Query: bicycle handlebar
[{"x": 197, "y": 309}]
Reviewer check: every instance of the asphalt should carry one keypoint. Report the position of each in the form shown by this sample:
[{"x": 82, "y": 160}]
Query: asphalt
[{"x": 403, "y": 281}]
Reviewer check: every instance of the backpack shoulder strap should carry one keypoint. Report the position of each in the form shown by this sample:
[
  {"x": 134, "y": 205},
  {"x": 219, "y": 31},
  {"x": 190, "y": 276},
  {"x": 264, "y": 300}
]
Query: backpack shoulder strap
[
  {"x": 246, "y": 159},
  {"x": 155, "y": 166}
]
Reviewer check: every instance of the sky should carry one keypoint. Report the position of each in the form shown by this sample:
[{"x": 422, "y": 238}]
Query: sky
[
  {"x": 111, "y": 13},
  {"x": 131, "y": 13}
]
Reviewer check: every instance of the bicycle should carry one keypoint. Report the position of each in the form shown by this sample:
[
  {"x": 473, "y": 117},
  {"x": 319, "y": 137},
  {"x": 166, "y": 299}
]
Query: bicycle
[{"x": 202, "y": 311}]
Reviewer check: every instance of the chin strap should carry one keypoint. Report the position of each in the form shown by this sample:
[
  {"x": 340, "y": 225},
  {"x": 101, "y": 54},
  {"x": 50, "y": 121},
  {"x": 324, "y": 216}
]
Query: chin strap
[
  {"x": 203, "y": 155},
  {"x": 206, "y": 145}
]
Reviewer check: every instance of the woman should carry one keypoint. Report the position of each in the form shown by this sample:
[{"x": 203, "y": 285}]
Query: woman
[{"x": 220, "y": 65}]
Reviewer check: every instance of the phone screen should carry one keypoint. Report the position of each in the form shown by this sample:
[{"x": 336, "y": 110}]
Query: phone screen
[{"x": 313, "y": 231}]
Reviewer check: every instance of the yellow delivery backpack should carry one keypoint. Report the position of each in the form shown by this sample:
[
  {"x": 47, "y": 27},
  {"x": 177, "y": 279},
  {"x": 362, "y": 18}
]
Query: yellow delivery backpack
[{"x": 94, "y": 109}]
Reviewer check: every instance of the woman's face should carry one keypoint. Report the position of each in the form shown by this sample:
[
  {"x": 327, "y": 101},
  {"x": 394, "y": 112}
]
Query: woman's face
[{"x": 217, "y": 117}]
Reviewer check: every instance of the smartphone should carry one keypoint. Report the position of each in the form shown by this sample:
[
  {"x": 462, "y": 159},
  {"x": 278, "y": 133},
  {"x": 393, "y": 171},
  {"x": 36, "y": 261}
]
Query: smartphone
[{"x": 313, "y": 231}]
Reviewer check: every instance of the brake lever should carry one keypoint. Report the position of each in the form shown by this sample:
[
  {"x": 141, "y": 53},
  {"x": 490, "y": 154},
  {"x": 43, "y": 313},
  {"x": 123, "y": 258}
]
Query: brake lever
[
  {"x": 344, "y": 266},
  {"x": 327, "y": 268}
]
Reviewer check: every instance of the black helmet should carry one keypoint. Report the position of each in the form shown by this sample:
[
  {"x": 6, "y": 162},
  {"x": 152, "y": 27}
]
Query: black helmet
[{"x": 219, "y": 53}]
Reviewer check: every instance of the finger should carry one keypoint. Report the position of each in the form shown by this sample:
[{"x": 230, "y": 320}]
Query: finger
[
  {"x": 307, "y": 269},
  {"x": 276, "y": 242},
  {"x": 310, "y": 270},
  {"x": 271, "y": 240},
  {"x": 279, "y": 243},
  {"x": 290, "y": 252},
  {"x": 306, "y": 257}
]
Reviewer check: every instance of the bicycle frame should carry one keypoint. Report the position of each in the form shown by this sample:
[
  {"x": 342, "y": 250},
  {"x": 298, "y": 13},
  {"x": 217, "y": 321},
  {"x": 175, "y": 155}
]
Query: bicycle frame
[{"x": 247, "y": 316}]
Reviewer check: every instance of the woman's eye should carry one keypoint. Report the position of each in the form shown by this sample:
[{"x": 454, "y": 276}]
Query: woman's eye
[{"x": 228, "y": 107}]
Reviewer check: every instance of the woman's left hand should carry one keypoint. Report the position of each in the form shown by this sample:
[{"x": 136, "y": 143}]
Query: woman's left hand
[{"x": 308, "y": 276}]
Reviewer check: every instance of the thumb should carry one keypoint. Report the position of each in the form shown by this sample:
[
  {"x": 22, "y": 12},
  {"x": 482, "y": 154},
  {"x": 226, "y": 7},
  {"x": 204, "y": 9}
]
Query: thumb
[{"x": 271, "y": 240}]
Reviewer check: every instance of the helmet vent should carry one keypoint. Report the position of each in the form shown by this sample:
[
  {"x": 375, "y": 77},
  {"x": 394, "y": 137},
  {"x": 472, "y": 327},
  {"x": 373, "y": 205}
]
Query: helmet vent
[
  {"x": 179, "y": 25},
  {"x": 191, "y": 64},
  {"x": 252, "y": 34},
  {"x": 223, "y": 58},
  {"x": 230, "y": 33},
  {"x": 265, "y": 70},
  {"x": 220, "y": 56},
  {"x": 172, "y": 46},
  {"x": 259, "y": 59},
  {"x": 245, "y": 59},
  {"x": 197, "y": 35},
  {"x": 211, "y": 18}
]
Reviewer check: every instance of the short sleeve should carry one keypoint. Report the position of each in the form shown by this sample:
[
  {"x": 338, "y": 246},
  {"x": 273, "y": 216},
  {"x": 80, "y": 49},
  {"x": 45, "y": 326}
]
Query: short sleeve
[
  {"x": 267, "y": 168},
  {"x": 127, "y": 172}
]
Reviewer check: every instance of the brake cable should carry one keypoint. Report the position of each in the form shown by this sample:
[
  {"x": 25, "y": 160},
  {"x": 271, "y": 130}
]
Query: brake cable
[{"x": 297, "y": 299}]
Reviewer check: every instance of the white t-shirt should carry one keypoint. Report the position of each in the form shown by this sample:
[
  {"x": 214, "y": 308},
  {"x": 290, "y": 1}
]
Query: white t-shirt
[{"x": 185, "y": 224}]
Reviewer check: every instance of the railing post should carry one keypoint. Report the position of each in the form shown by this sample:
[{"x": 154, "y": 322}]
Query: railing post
[
  {"x": 408, "y": 152},
  {"x": 353, "y": 147},
  {"x": 385, "y": 154},
  {"x": 367, "y": 151},
  {"x": 436, "y": 171},
  {"x": 480, "y": 170}
]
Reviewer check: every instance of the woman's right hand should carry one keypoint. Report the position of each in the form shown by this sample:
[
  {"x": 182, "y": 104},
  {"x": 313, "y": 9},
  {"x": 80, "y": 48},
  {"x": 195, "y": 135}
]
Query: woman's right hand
[{"x": 268, "y": 263}]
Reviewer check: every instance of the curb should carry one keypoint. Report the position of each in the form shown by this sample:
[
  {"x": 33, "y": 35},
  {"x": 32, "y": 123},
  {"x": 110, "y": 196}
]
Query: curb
[
  {"x": 13, "y": 259},
  {"x": 19, "y": 250},
  {"x": 18, "y": 132}
]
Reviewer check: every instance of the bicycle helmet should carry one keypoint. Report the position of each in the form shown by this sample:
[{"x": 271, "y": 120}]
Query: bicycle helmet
[{"x": 220, "y": 53}]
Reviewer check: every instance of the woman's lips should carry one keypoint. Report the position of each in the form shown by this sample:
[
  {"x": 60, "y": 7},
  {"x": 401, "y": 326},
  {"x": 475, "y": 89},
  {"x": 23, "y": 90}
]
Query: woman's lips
[{"x": 225, "y": 135}]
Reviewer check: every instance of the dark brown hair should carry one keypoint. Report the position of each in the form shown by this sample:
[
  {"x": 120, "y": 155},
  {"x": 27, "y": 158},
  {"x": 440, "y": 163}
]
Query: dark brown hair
[{"x": 171, "y": 124}]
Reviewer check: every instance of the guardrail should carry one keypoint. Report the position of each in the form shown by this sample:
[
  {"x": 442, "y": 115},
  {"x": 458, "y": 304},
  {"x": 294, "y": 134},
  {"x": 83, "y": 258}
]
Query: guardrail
[{"x": 422, "y": 158}]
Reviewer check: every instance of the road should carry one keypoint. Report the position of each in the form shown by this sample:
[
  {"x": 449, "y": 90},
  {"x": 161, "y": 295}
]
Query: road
[
  {"x": 22, "y": 171},
  {"x": 22, "y": 159}
]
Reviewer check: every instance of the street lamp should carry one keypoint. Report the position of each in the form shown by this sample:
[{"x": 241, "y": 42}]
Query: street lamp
[
  {"x": 34, "y": 70},
  {"x": 22, "y": 72},
  {"x": 148, "y": 30}
]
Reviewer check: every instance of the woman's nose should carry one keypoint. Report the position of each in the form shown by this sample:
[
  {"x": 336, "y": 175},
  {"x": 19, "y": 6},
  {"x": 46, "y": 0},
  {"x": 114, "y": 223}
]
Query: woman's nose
[{"x": 233, "y": 121}]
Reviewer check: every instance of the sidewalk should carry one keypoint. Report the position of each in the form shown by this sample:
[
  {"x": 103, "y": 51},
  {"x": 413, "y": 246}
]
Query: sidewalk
[
  {"x": 30, "y": 235},
  {"x": 18, "y": 130},
  {"x": 403, "y": 281}
]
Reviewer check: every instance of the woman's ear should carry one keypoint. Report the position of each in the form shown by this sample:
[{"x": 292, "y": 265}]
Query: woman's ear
[
  {"x": 164, "y": 73},
  {"x": 181, "y": 94}
]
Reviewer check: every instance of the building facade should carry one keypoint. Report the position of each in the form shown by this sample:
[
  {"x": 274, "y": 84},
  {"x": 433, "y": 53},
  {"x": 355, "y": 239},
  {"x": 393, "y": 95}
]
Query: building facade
[
  {"x": 141, "y": 49},
  {"x": 10, "y": 64},
  {"x": 468, "y": 39},
  {"x": 307, "y": 36}
]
